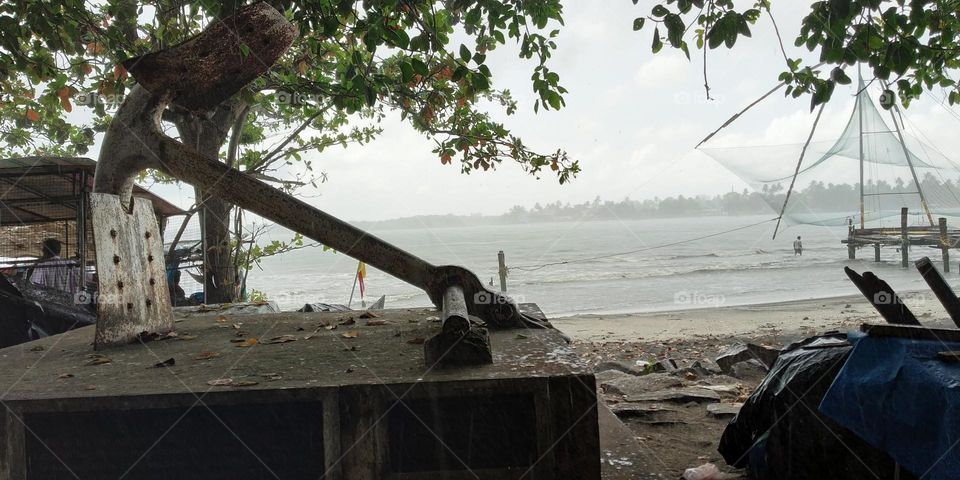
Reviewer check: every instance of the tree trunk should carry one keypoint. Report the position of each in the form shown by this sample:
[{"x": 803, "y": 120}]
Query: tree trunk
[
  {"x": 207, "y": 135},
  {"x": 198, "y": 79}
]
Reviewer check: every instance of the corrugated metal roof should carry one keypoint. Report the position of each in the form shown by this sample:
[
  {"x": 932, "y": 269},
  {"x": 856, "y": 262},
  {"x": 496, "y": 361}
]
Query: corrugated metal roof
[
  {"x": 45, "y": 189},
  {"x": 28, "y": 163}
]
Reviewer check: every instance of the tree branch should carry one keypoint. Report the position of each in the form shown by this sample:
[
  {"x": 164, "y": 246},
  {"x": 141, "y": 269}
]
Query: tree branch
[{"x": 303, "y": 126}]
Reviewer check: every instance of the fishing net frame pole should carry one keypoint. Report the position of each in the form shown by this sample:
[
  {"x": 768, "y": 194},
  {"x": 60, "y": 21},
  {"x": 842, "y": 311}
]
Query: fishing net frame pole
[
  {"x": 747, "y": 108},
  {"x": 906, "y": 153},
  {"x": 796, "y": 172}
]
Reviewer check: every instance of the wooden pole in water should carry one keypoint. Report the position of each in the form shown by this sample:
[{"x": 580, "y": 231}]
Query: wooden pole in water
[
  {"x": 876, "y": 252},
  {"x": 851, "y": 247},
  {"x": 904, "y": 238},
  {"x": 944, "y": 245},
  {"x": 502, "y": 261}
]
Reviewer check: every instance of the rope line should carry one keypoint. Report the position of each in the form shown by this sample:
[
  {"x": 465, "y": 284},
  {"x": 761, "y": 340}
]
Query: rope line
[{"x": 531, "y": 268}]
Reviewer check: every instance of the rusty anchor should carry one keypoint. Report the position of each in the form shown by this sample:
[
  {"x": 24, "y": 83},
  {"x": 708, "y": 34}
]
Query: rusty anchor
[{"x": 209, "y": 68}]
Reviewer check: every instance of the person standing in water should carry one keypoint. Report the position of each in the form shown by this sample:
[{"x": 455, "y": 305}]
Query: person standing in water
[{"x": 797, "y": 247}]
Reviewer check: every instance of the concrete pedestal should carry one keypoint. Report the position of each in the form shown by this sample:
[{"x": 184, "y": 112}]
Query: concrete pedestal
[{"x": 303, "y": 400}]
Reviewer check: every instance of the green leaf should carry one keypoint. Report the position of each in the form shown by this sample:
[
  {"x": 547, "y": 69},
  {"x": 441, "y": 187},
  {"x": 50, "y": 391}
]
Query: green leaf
[
  {"x": 675, "y": 28},
  {"x": 480, "y": 83},
  {"x": 839, "y": 76},
  {"x": 657, "y": 43},
  {"x": 464, "y": 53},
  {"x": 459, "y": 73},
  {"x": 406, "y": 72},
  {"x": 419, "y": 67},
  {"x": 638, "y": 23}
]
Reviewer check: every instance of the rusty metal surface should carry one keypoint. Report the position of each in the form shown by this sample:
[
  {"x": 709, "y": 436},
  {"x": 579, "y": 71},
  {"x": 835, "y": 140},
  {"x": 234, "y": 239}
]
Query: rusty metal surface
[
  {"x": 456, "y": 319},
  {"x": 132, "y": 295},
  {"x": 209, "y": 68},
  {"x": 497, "y": 310},
  {"x": 140, "y": 113}
]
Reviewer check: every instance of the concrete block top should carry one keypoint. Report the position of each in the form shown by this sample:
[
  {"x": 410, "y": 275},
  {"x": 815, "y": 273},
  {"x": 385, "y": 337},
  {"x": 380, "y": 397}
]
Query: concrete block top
[{"x": 285, "y": 351}]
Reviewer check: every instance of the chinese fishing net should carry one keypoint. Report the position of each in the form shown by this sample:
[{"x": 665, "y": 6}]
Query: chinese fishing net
[{"x": 827, "y": 189}]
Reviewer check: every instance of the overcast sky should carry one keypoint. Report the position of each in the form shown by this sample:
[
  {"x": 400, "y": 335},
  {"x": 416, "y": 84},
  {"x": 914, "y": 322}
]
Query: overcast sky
[{"x": 632, "y": 120}]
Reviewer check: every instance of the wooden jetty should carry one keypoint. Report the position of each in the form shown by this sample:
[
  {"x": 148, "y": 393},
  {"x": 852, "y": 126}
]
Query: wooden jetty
[
  {"x": 905, "y": 237},
  {"x": 316, "y": 395}
]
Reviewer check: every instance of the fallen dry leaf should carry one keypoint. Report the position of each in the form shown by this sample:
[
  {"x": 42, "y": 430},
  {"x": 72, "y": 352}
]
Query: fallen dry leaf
[
  {"x": 220, "y": 382},
  {"x": 520, "y": 336},
  {"x": 248, "y": 342},
  {"x": 90, "y": 387},
  {"x": 416, "y": 341},
  {"x": 206, "y": 355},
  {"x": 350, "y": 334},
  {"x": 65, "y": 375},
  {"x": 221, "y": 319},
  {"x": 187, "y": 337},
  {"x": 331, "y": 327},
  {"x": 244, "y": 383},
  {"x": 166, "y": 363},
  {"x": 36, "y": 348},
  {"x": 272, "y": 376},
  {"x": 99, "y": 361},
  {"x": 368, "y": 314},
  {"x": 282, "y": 339},
  {"x": 374, "y": 323},
  {"x": 348, "y": 321}
]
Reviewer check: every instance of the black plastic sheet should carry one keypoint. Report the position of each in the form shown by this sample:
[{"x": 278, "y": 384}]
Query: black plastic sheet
[{"x": 780, "y": 434}]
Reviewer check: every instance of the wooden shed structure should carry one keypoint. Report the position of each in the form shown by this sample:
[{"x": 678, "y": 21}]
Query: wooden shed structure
[{"x": 43, "y": 197}]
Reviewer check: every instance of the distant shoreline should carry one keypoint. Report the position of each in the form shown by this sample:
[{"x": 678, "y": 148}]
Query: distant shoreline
[{"x": 451, "y": 220}]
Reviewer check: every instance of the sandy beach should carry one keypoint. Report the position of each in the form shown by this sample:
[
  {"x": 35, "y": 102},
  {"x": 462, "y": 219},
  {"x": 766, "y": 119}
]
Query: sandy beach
[
  {"x": 666, "y": 438},
  {"x": 785, "y": 318}
]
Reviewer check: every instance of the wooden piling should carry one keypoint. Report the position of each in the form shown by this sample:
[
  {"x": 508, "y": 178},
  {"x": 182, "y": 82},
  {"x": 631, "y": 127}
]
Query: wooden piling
[
  {"x": 904, "y": 239},
  {"x": 851, "y": 247},
  {"x": 876, "y": 252},
  {"x": 945, "y": 245},
  {"x": 501, "y": 260}
]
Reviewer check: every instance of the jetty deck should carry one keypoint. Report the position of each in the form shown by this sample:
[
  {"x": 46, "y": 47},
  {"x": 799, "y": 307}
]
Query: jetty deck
[{"x": 904, "y": 237}]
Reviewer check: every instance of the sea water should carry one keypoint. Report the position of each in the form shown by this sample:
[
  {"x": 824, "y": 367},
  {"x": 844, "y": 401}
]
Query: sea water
[{"x": 741, "y": 267}]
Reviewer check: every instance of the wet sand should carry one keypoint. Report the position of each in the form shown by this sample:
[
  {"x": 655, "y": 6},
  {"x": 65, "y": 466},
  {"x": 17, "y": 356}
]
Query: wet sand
[{"x": 790, "y": 318}]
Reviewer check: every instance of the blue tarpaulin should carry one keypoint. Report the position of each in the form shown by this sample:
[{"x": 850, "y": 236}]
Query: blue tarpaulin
[{"x": 897, "y": 396}]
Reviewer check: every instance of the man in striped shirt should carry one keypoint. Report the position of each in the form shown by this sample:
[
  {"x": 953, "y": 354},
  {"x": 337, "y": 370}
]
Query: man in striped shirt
[{"x": 54, "y": 272}]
